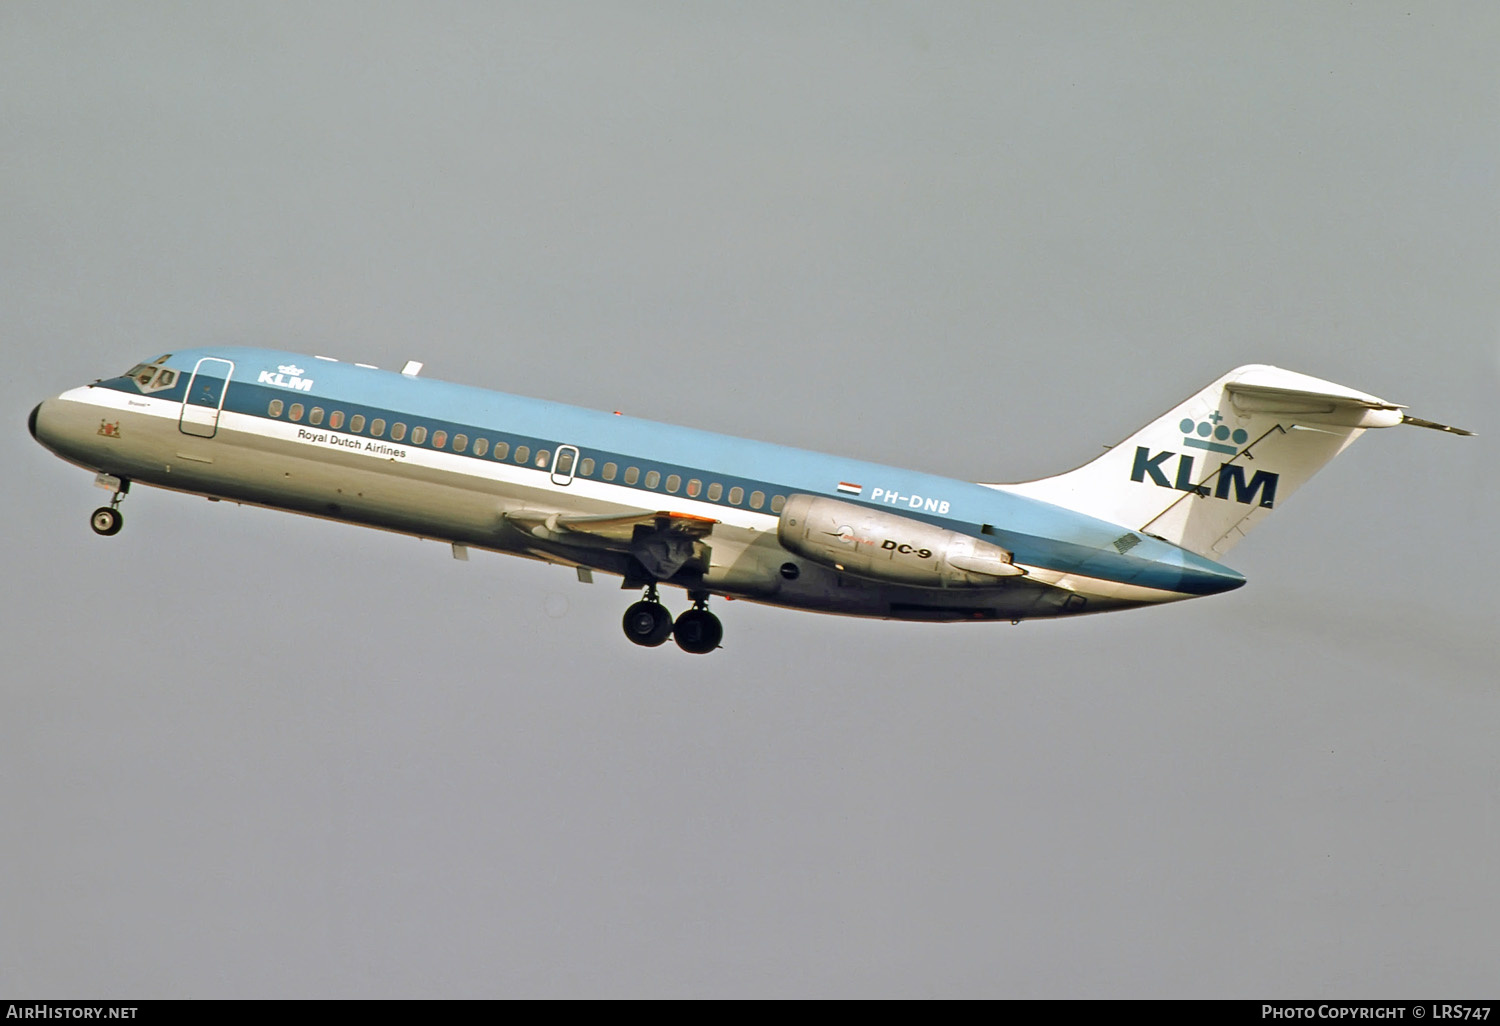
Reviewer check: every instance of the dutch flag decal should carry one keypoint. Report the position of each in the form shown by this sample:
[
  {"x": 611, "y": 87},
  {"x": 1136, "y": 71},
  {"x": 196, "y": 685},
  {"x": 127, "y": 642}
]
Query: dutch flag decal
[{"x": 849, "y": 489}]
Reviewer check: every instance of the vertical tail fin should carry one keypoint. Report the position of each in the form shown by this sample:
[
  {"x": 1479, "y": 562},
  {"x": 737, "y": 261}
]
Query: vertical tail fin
[{"x": 1207, "y": 471}]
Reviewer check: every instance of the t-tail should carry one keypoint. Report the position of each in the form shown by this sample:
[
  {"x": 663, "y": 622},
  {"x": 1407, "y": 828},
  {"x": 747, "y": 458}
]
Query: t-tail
[{"x": 1205, "y": 473}]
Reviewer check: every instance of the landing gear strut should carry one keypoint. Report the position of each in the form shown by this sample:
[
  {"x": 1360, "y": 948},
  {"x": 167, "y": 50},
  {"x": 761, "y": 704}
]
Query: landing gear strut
[
  {"x": 698, "y": 631},
  {"x": 647, "y": 622},
  {"x": 107, "y": 520}
]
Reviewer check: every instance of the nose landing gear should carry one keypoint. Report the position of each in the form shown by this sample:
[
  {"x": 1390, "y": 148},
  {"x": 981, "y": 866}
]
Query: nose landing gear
[
  {"x": 107, "y": 520},
  {"x": 648, "y": 623}
]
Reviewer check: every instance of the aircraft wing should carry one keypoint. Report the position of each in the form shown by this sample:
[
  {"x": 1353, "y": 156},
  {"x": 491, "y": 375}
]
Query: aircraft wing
[
  {"x": 617, "y": 528},
  {"x": 663, "y": 540}
]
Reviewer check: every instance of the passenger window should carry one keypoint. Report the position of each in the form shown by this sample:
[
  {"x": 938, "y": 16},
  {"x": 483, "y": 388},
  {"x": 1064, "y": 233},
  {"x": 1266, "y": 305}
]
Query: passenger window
[
  {"x": 316, "y": 416},
  {"x": 398, "y": 431},
  {"x": 336, "y": 419},
  {"x": 295, "y": 412},
  {"x": 632, "y": 475},
  {"x": 522, "y": 452},
  {"x": 586, "y": 468},
  {"x": 609, "y": 471},
  {"x": 439, "y": 439},
  {"x": 565, "y": 461},
  {"x": 418, "y": 435},
  {"x": 542, "y": 458},
  {"x": 777, "y": 502},
  {"x": 694, "y": 487},
  {"x": 653, "y": 478},
  {"x": 357, "y": 423},
  {"x": 757, "y": 500},
  {"x": 736, "y": 495},
  {"x": 377, "y": 427},
  {"x": 714, "y": 491},
  {"x": 275, "y": 408},
  {"x": 460, "y": 443},
  {"x": 502, "y": 449},
  {"x": 481, "y": 446},
  {"x": 674, "y": 482}
]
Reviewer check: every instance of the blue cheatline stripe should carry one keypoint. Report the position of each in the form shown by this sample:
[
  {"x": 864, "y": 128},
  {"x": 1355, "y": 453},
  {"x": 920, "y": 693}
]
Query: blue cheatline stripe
[{"x": 1037, "y": 533}]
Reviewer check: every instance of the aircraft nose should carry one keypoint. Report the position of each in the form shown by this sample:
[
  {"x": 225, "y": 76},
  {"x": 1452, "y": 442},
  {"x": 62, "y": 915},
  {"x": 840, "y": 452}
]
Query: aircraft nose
[{"x": 42, "y": 423}]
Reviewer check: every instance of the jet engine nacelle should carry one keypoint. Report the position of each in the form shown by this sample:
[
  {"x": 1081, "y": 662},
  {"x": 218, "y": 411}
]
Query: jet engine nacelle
[{"x": 888, "y": 547}]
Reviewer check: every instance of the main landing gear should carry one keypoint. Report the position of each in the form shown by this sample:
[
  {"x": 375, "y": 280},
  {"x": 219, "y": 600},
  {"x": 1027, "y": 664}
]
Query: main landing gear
[
  {"x": 648, "y": 623},
  {"x": 107, "y": 520}
]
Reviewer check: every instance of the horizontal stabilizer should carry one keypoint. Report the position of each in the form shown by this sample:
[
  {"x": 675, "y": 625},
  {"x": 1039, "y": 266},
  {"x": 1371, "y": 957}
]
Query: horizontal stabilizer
[
  {"x": 1254, "y": 398},
  {"x": 1419, "y": 422}
]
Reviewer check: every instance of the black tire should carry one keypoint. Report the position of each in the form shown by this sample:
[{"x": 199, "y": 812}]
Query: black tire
[
  {"x": 106, "y": 520},
  {"x": 647, "y": 623},
  {"x": 698, "y": 632}
]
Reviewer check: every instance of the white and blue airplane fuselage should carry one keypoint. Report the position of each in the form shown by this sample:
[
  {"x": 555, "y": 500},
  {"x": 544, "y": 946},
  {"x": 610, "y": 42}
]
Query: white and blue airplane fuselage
[{"x": 661, "y": 505}]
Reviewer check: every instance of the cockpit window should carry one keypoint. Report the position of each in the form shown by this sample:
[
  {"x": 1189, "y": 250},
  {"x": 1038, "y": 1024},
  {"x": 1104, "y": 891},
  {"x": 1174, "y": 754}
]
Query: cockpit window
[{"x": 152, "y": 377}]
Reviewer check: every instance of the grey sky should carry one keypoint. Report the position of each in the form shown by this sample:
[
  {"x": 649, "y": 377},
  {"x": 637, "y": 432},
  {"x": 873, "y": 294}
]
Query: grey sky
[{"x": 249, "y": 754}]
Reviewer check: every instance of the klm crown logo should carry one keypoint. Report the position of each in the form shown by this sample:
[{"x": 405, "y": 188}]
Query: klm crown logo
[
  {"x": 1213, "y": 436},
  {"x": 287, "y": 375},
  {"x": 1227, "y": 482}
]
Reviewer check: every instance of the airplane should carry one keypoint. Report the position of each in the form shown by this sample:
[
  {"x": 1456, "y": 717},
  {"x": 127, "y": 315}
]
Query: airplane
[{"x": 1144, "y": 523}]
